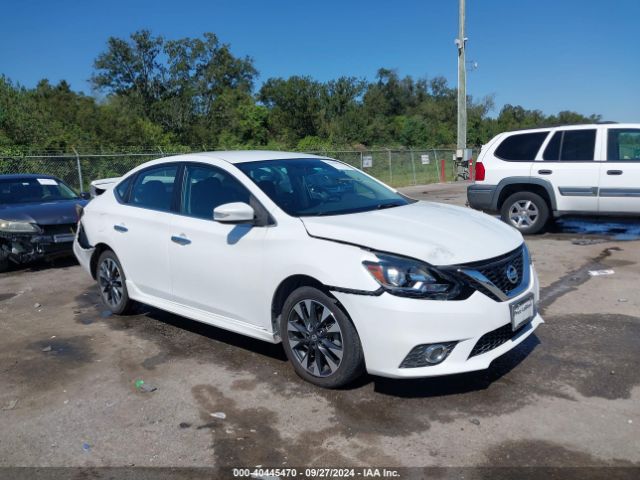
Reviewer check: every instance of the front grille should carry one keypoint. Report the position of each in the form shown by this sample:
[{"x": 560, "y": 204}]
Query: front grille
[
  {"x": 494, "y": 339},
  {"x": 495, "y": 270},
  {"x": 58, "y": 229}
]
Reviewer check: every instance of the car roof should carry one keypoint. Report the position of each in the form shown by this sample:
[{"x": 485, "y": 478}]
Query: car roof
[
  {"x": 24, "y": 176},
  {"x": 233, "y": 157},
  {"x": 573, "y": 127},
  {"x": 242, "y": 156}
]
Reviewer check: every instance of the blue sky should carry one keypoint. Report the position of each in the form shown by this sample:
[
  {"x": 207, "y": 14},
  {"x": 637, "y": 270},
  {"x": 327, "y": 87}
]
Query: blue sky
[{"x": 581, "y": 55}]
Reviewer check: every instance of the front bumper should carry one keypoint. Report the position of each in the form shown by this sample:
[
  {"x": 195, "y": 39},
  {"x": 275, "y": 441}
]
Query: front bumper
[
  {"x": 480, "y": 197},
  {"x": 27, "y": 247},
  {"x": 390, "y": 326}
]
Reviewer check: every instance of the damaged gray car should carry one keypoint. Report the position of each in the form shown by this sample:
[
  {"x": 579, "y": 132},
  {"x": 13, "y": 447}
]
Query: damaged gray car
[{"x": 38, "y": 216}]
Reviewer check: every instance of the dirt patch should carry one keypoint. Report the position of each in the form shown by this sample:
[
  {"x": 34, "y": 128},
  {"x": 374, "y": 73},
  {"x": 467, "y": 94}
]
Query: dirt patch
[
  {"x": 6, "y": 296},
  {"x": 570, "y": 281},
  {"x": 244, "y": 385},
  {"x": 595, "y": 354},
  {"x": 37, "y": 367},
  {"x": 249, "y": 436},
  {"x": 539, "y": 453}
]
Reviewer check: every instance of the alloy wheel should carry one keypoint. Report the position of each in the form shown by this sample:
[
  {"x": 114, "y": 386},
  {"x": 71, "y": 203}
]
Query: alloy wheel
[
  {"x": 110, "y": 279},
  {"x": 523, "y": 213},
  {"x": 315, "y": 338}
]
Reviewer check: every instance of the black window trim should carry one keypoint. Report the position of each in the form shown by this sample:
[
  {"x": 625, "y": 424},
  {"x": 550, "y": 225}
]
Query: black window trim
[
  {"x": 607, "y": 145},
  {"x": 263, "y": 217},
  {"x": 134, "y": 177}
]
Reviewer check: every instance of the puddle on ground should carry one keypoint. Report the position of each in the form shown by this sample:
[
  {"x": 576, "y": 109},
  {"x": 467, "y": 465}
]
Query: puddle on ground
[{"x": 618, "y": 229}]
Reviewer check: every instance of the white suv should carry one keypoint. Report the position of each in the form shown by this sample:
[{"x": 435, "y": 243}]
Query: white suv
[
  {"x": 531, "y": 175},
  {"x": 348, "y": 273}
]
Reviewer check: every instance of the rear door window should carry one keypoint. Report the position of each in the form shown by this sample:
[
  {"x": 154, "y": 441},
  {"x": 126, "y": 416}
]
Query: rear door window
[
  {"x": 571, "y": 146},
  {"x": 521, "y": 147},
  {"x": 578, "y": 145},
  {"x": 153, "y": 188},
  {"x": 552, "y": 152}
]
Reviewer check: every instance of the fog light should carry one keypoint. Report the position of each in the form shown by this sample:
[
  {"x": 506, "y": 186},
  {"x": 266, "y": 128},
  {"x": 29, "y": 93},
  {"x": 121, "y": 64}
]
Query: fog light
[
  {"x": 427, "y": 355},
  {"x": 436, "y": 353}
]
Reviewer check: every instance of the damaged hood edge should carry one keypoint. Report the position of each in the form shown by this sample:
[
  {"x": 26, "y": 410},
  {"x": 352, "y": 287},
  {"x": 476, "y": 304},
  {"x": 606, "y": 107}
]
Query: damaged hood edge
[{"x": 438, "y": 234}]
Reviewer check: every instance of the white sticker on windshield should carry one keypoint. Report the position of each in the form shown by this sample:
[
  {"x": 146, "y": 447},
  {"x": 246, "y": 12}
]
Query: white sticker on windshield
[
  {"x": 47, "y": 181},
  {"x": 338, "y": 165}
]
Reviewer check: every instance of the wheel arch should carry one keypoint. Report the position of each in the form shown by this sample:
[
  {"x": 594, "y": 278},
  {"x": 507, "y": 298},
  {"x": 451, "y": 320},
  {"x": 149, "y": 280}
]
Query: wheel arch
[
  {"x": 285, "y": 288},
  {"x": 513, "y": 185},
  {"x": 98, "y": 250}
]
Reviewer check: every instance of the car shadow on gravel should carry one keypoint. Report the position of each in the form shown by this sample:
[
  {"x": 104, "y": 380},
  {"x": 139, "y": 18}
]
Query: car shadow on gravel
[{"x": 40, "y": 265}]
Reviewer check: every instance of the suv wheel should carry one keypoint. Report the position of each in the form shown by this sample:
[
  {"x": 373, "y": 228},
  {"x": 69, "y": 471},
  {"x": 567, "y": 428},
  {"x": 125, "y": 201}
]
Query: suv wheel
[
  {"x": 112, "y": 284},
  {"x": 320, "y": 340},
  {"x": 526, "y": 211}
]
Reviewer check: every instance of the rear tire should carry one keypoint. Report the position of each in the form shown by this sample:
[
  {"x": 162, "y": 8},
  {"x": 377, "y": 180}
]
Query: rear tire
[
  {"x": 4, "y": 265},
  {"x": 528, "y": 212},
  {"x": 319, "y": 339},
  {"x": 112, "y": 284}
]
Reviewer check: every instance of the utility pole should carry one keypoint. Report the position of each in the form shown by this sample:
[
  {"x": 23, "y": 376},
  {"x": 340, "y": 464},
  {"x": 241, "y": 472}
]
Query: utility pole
[{"x": 461, "y": 43}]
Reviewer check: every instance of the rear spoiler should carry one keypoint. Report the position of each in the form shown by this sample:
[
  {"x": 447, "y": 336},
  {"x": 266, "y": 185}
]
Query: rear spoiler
[{"x": 98, "y": 187}]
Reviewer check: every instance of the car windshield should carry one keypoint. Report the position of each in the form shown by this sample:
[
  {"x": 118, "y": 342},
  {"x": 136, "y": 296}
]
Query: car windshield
[
  {"x": 34, "y": 190},
  {"x": 313, "y": 187}
]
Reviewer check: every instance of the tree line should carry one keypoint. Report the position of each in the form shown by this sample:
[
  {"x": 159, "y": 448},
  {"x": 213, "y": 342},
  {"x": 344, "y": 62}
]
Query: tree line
[{"x": 194, "y": 92}]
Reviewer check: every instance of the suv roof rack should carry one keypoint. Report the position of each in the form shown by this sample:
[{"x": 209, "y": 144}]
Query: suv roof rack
[{"x": 606, "y": 122}]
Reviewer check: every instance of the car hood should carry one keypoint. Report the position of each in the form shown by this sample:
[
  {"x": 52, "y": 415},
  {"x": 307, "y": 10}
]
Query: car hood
[
  {"x": 432, "y": 232},
  {"x": 46, "y": 213}
]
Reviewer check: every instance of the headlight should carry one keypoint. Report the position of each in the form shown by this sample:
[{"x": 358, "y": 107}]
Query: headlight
[
  {"x": 17, "y": 227},
  {"x": 406, "y": 277}
]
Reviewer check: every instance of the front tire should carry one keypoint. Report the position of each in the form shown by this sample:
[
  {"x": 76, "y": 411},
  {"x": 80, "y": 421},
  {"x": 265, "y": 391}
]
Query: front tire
[
  {"x": 526, "y": 211},
  {"x": 112, "y": 284},
  {"x": 319, "y": 339}
]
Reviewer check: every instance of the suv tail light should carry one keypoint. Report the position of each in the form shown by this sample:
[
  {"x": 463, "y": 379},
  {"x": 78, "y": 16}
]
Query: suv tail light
[{"x": 479, "y": 172}]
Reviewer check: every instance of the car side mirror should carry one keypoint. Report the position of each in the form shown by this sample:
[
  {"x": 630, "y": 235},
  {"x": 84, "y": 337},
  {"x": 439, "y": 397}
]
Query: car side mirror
[
  {"x": 236, "y": 212},
  {"x": 85, "y": 195}
]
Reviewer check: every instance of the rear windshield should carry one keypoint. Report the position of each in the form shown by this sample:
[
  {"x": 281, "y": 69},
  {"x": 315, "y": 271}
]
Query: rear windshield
[
  {"x": 521, "y": 147},
  {"x": 34, "y": 190}
]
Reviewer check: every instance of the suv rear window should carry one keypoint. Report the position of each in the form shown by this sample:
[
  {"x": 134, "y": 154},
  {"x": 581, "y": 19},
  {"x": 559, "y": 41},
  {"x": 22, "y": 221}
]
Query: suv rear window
[{"x": 521, "y": 147}]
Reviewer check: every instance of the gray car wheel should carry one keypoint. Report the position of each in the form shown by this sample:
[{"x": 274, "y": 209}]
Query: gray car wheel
[{"x": 526, "y": 211}]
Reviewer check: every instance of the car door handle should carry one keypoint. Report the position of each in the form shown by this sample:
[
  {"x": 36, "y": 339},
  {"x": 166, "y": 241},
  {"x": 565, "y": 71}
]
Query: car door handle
[
  {"x": 120, "y": 228},
  {"x": 545, "y": 172},
  {"x": 614, "y": 172},
  {"x": 180, "y": 240}
]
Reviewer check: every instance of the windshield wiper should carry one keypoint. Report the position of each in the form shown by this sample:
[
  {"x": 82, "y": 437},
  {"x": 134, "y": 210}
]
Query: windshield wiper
[{"x": 382, "y": 206}]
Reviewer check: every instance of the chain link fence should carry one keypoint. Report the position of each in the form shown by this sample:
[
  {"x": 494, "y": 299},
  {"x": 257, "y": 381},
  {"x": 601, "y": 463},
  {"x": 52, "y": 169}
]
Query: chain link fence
[{"x": 396, "y": 167}]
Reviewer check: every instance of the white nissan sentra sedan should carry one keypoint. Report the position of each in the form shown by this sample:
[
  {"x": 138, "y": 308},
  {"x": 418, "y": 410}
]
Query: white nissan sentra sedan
[{"x": 346, "y": 272}]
